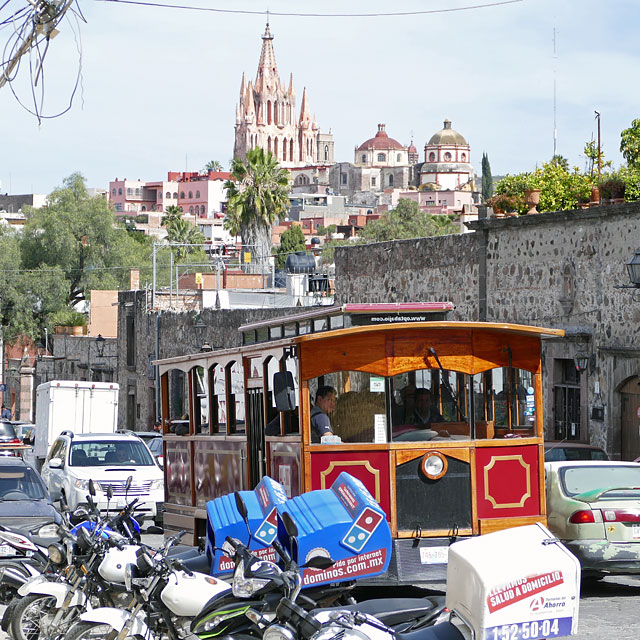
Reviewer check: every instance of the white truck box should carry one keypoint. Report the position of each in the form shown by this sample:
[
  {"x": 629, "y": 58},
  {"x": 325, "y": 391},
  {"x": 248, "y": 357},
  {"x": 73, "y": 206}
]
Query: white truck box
[
  {"x": 516, "y": 584},
  {"x": 74, "y": 405}
]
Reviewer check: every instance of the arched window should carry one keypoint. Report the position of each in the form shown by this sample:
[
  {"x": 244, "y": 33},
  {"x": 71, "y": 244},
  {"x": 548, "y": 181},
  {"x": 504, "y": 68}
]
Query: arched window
[
  {"x": 463, "y": 157},
  {"x": 119, "y": 191},
  {"x": 182, "y": 195},
  {"x": 447, "y": 156},
  {"x": 197, "y": 194},
  {"x": 113, "y": 191},
  {"x": 382, "y": 157},
  {"x": 203, "y": 210},
  {"x": 291, "y": 149},
  {"x": 190, "y": 195},
  {"x": 390, "y": 179},
  {"x": 137, "y": 191},
  {"x": 432, "y": 157},
  {"x": 276, "y": 119},
  {"x": 129, "y": 191},
  {"x": 175, "y": 195},
  {"x": 326, "y": 152},
  {"x": 399, "y": 157},
  {"x": 268, "y": 111},
  {"x": 275, "y": 147},
  {"x": 364, "y": 158},
  {"x": 168, "y": 194},
  {"x": 143, "y": 208},
  {"x": 284, "y": 149},
  {"x": 269, "y": 143},
  {"x": 191, "y": 210}
]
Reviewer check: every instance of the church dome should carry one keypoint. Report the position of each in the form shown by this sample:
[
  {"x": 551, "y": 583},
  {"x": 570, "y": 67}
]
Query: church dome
[
  {"x": 380, "y": 141},
  {"x": 447, "y": 136},
  {"x": 412, "y": 148}
]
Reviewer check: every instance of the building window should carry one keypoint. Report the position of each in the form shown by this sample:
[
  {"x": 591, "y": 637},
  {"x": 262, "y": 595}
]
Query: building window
[
  {"x": 197, "y": 194},
  {"x": 463, "y": 157},
  {"x": 390, "y": 180},
  {"x": 182, "y": 195},
  {"x": 344, "y": 178},
  {"x": 190, "y": 195},
  {"x": 168, "y": 194},
  {"x": 113, "y": 191},
  {"x": 382, "y": 157},
  {"x": 130, "y": 330},
  {"x": 566, "y": 401},
  {"x": 137, "y": 191},
  {"x": 399, "y": 157},
  {"x": 143, "y": 208},
  {"x": 326, "y": 152},
  {"x": 432, "y": 157},
  {"x": 175, "y": 195},
  {"x": 191, "y": 210},
  {"x": 364, "y": 158},
  {"x": 373, "y": 182},
  {"x": 203, "y": 210},
  {"x": 118, "y": 206},
  {"x": 447, "y": 156}
]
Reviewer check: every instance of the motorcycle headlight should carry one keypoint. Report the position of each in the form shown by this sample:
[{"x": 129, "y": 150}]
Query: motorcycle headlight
[
  {"x": 278, "y": 632},
  {"x": 245, "y": 587},
  {"x": 130, "y": 572},
  {"x": 57, "y": 553},
  {"x": 48, "y": 530},
  {"x": 157, "y": 484}
]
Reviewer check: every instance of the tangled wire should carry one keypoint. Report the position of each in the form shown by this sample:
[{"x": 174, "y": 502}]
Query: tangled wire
[{"x": 30, "y": 29}]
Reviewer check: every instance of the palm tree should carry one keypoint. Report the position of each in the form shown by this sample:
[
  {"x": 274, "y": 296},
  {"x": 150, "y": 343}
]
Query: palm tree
[
  {"x": 171, "y": 214},
  {"x": 213, "y": 165},
  {"x": 257, "y": 193},
  {"x": 183, "y": 232}
]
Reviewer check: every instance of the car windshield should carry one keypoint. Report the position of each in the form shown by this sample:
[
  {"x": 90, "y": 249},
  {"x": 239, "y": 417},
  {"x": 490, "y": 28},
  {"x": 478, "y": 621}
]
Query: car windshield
[
  {"x": 94, "y": 453},
  {"x": 155, "y": 444},
  {"x": 20, "y": 483},
  {"x": 573, "y": 453},
  {"x": 585, "y": 478}
]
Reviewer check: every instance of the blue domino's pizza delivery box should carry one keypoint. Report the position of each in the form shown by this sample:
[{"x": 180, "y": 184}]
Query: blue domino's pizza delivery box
[
  {"x": 344, "y": 523},
  {"x": 223, "y": 519}
]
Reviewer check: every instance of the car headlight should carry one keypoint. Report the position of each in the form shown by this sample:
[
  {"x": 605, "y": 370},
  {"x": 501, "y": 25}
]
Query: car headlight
[
  {"x": 246, "y": 587},
  {"x": 84, "y": 485},
  {"x": 57, "y": 553},
  {"x": 157, "y": 484}
]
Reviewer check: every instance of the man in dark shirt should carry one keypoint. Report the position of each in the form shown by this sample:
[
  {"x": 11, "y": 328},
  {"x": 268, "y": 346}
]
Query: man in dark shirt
[
  {"x": 425, "y": 411},
  {"x": 324, "y": 405}
]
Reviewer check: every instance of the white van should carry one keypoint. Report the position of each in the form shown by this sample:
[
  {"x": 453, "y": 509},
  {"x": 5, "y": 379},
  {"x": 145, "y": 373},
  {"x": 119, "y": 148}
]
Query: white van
[{"x": 108, "y": 459}]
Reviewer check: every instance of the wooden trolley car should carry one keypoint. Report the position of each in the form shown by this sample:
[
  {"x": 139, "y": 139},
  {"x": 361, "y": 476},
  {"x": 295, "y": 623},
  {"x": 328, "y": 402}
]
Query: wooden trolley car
[{"x": 476, "y": 467}]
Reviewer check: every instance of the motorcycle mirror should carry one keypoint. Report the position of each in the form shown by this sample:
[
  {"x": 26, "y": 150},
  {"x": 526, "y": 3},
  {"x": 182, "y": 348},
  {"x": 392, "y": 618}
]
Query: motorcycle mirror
[
  {"x": 289, "y": 525},
  {"x": 319, "y": 562},
  {"x": 241, "y": 506},
  {"x": 109, "y": 492},
  {"x": 127, "y": 485},
  {"x": 92, "y": 488}
]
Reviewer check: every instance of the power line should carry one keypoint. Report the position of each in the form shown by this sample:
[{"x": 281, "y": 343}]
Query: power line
[{"x": 313, "y": 15}]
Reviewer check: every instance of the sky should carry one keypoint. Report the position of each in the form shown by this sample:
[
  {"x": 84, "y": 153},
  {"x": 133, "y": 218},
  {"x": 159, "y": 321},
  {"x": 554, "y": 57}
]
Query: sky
[{"x": 159, "y": 86}]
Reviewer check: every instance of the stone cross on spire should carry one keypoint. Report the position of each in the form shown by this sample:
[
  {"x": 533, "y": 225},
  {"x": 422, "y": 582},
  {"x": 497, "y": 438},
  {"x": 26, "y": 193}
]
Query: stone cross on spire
[{"x": 267, "y": 76}]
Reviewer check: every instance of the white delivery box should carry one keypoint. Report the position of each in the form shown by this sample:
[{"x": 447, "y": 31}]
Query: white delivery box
[
  {"x": 73, "y": 405},
  {"x": 516, "y": 584}
]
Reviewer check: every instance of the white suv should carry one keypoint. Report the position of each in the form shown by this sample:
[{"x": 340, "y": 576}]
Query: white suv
[{"x": 107, "y": 459}]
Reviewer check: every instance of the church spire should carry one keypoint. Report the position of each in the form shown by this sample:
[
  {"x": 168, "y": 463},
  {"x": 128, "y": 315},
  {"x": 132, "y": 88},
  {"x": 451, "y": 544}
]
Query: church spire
[
  {"x": 267, "y": 77},
  {"x": 305, "y": 116},
  {"x": 243, "y": 87}
]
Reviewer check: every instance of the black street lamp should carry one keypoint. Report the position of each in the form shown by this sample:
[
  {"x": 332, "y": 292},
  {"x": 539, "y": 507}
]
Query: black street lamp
[{"x": 100, "y": 342}]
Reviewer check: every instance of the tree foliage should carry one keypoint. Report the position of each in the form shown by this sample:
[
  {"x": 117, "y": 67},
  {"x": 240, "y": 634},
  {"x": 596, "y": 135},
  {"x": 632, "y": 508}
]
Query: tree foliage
[
  {"x": 257, "y": 192},
  {"x": 181, "y": 231},
  {"x": 213, "y": 165},
  {"x": 487, "y": 180},
  {"x": 291, "y": 240},
  {"x": 630, "y": 143}
]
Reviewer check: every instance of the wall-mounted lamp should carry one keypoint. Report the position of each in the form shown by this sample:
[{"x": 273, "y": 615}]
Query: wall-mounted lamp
[
  {"x": 633, "y": 267},
  {"x": 582, "y": 361},
  {"x": 206, "y": 347},
  {"x": 198, "y": 322},
  {"x": 100, "y": 342}
]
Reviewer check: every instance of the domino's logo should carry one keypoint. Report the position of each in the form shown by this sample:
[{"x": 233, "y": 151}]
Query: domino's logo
[
  {"x": 267, "y": 531},
  {"x": 362, "y": 529}
]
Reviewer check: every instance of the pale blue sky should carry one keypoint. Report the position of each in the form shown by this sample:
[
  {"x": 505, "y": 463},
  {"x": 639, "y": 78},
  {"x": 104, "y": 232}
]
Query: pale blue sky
[{"x": 159, "y": 86}]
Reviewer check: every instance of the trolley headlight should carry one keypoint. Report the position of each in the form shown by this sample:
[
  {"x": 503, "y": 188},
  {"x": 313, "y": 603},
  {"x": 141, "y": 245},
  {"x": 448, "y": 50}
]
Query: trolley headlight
[
  {"x": 57, "y": 553},
  {"x": 434, "y": 465}
]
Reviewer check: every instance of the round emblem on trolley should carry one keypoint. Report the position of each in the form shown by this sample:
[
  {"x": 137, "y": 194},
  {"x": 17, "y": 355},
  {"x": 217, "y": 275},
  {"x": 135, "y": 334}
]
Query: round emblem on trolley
[{"x": 434, "y": 465}]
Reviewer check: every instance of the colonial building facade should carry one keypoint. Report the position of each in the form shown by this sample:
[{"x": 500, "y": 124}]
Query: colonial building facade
[{"x": 266, "y": 117}]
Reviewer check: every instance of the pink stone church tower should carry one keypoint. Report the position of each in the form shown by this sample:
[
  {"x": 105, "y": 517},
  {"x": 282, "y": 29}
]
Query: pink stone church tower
[{"x": 266, "y": 117}]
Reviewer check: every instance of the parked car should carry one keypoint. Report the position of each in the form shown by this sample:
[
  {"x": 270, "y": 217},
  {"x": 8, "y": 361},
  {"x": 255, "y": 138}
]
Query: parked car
[
  {"x": 593, "y": 507},
  {"x": 108, "y": 459},
  {"x": 8, "y": 433},
  {"x": 554, "y": 451},
  {"x": 25, "y": 502},
  {"x": 152, "y": 439}
]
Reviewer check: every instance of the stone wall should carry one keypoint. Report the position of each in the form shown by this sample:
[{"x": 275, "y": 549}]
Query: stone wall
[{"x": 558, "y": 269}]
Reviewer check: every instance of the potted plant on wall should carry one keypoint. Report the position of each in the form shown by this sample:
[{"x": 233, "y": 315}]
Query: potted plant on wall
[
  {"x": 532, "y": 191},
  {"x": 504, "y": 204},
  {"x": 612, "y": 188},
  {"x": 70, "y": 322}
]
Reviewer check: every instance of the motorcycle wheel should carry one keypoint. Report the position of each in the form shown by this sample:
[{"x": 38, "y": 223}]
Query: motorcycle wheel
[
  {"x": 28, "y": 615},
  {"x": 94, "y": 631}
]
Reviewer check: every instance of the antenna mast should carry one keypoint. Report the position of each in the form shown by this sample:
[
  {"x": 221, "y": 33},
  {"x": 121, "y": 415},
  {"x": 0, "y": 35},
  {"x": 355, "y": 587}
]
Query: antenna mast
[{"x": 555, "y": 73}]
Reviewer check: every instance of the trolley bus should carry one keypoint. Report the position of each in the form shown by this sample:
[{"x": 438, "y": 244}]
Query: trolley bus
[{"x": 231, "y": 416}]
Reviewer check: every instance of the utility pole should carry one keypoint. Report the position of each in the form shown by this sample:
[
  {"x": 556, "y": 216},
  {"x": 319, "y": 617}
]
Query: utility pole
[{"x": 599, "y": 151}]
